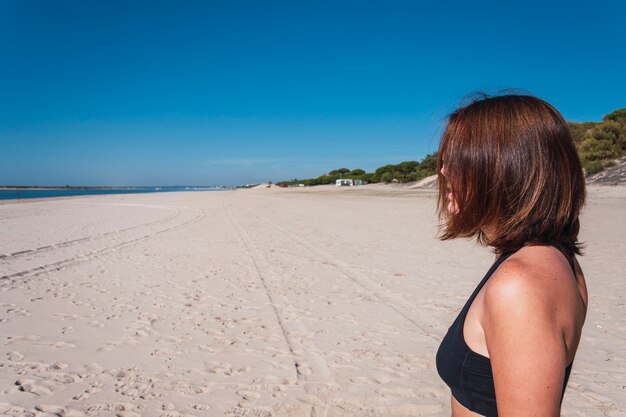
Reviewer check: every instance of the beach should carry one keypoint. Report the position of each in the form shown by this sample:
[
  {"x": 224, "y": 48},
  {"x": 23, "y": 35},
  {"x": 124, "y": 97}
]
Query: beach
[{"x": 322, "y": 301}]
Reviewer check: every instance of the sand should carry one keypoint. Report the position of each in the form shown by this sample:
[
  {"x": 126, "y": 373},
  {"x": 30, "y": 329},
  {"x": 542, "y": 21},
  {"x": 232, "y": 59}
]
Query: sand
[{"x": 316, "y": 302}]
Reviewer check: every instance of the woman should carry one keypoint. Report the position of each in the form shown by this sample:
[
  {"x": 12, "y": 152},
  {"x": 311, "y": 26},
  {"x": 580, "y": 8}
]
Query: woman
[{"x": 510, "y": 176}]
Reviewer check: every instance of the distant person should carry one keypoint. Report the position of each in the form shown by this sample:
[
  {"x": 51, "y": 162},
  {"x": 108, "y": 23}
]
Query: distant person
[{"x": 510, "y": 176}]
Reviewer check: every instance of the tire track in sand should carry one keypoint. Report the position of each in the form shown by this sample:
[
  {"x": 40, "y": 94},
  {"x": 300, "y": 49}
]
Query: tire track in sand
[
  {"x": 55, "y": 266},
  {"x": 67, "y": 243},
  {"x": 394, "y": 301},
  {"x": 311, "y": 369}
]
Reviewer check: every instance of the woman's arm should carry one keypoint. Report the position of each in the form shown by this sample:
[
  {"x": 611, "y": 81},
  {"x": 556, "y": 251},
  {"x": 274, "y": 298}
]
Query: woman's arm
[{"x": 524, "y": 339}]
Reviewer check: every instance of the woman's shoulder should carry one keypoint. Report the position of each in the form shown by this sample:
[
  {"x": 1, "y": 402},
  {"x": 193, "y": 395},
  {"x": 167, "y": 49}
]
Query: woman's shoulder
[
  {"x": 533, "y": 268},
  {"x": 536, "y": 284},
  {"x": 534, "y": 305}
]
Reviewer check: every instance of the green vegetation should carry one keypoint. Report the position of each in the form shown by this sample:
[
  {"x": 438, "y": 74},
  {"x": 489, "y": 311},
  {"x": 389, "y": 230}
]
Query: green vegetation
[
  {"x": 404, "y": 172},
  {"x": 600, "y": 143},
  {"x": 593, "y": 167}
]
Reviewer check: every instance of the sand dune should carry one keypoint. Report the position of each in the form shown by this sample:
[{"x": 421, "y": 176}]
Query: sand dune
[{"x": 321, "y": 301}]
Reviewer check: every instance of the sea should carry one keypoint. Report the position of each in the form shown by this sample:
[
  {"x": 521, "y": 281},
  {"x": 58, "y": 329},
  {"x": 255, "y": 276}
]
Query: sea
[{"x": 25, "y": 193}]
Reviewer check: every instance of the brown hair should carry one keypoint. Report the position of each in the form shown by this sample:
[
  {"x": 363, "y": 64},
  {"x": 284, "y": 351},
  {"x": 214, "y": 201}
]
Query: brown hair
[{"x": 511, "y": 164}]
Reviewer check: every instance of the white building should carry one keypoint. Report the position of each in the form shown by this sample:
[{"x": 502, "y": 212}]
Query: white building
[{"x": 346, "y": 182}]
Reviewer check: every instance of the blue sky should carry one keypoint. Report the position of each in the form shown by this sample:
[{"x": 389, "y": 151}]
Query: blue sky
[{"x": 232, "y": 92}]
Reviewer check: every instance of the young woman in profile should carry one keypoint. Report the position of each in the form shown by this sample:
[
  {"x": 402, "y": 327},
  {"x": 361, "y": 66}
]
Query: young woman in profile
[{"x": 510, "y": 176}]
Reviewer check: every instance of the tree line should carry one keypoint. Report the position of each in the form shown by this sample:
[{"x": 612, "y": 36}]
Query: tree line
[
  {"x": 598, "y": 145},
  {"x": 407, "y": 171}
]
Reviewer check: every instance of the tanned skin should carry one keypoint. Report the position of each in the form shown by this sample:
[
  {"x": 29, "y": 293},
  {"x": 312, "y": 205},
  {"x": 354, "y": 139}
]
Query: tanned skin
[{"x": 528, "y": 319}]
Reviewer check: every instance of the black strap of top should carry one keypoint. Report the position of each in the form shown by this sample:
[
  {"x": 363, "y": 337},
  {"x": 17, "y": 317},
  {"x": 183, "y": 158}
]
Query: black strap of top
[
  {"x": 493, "y": 268},
  {"x": 503, "y": 257}
]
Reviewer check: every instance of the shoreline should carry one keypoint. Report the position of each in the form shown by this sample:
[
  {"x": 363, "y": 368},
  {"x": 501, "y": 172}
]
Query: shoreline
[
  {"x": 320, "y": 189},
  {"x": 34, "y": 188},
  {"x": 52, "y": 198}
]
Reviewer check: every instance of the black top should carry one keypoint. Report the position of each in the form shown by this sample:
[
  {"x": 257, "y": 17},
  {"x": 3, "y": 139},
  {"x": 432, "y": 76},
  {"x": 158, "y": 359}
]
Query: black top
[{"x": 467, "y": 373}]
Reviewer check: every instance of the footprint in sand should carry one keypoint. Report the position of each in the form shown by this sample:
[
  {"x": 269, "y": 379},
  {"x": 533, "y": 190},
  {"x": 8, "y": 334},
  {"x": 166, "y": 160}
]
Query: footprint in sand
[
  {"x": 62, "y": 378},
  {"x": 61, "y": 345},
  {"x": 18, "y": 312},
  {"x": 120, "y": 409},
  {"x": 57, "y": 366},
  {"x": 93, "y": 368},
  {"x": 50, "y": 409},
  {"x": 15, "y": 356},
  {"x": 201, "y": 407},
  {"x": 33, "y": 387},
  {"x": 248, "y": 398},
  {"x": 13, "y": 410},
  {"x": 226, "y": 369},
  {"x": 66, "y": 316},
  {"x": 25, "y": 338},
  {"x": 205, "y": 348},
  {"x": 142, "y": 332},
  {"x": 303, "y": 369},
  {"x": 99, "y": 407},
  {"x": 93, "y": 388},
  {"x": 110, "y": 346}
]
